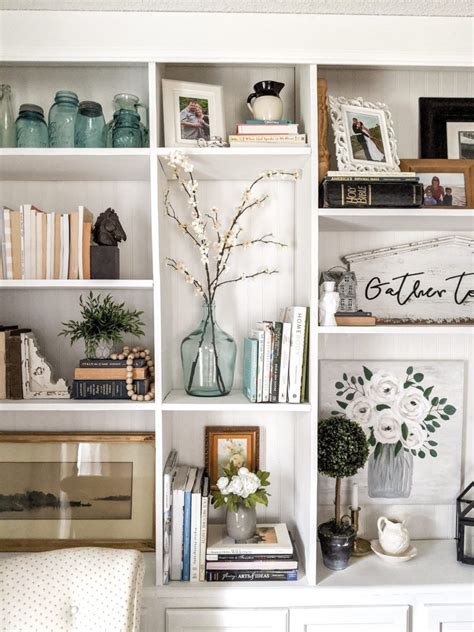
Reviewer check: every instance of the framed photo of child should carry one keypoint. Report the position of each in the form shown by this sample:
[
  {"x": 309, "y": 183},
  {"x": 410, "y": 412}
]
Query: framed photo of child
[
  {"x": 191, "y": 112},
  {"x": 446, "y": 183}
]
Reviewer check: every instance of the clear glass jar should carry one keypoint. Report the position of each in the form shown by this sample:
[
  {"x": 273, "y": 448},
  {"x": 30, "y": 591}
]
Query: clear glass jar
[
  {"x": 31, "y": 128},
  {"x": 90, "y": 124},
  {"x": 124, "y": 101},
  {"x": 126, "y": 130},
  {"x": 62, "y": 119},
  {"x": 7, "y": 119}
]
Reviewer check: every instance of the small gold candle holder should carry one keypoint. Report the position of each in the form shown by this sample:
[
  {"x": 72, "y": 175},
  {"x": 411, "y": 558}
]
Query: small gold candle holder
[{"x": 361, "y": 546}]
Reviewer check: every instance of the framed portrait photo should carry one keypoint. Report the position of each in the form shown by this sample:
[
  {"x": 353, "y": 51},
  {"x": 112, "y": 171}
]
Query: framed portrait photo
[
  {"x": 60, "y": 490},
  {"x": 191, "y": 112},
  {"x": 447, "y": 127},
  {"x": 233, "y": 445},
  {"x": 363, "y": 135},
  {"x": 446, "y": 183}
]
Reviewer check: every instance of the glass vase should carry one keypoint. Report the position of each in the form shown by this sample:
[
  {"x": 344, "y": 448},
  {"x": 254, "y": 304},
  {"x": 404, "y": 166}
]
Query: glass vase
[
  {"x": 7, "y": 120},
  {"x": 241, "y": 525},
  {"x": 390, "y": 475},
  {"x": 89, "y": 125},
  {"x": 208, "y": 358},
  {"x": 62, "y": 119},
  {"x": 31, "y": 128}
]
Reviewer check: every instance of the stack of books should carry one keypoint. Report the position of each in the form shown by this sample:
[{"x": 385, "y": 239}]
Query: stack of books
[
  {"x": 98, "y": 378},
  {"x": 11, "y": 380},
  {"x": 269, "y": 556},
  {"x": 257, "y": 133},
  {"x": 355, "y": 319},
  {"x": 276, "y": 358},
  {"x": 355, "y": 189},
  {"x": 39, "y": 245}
]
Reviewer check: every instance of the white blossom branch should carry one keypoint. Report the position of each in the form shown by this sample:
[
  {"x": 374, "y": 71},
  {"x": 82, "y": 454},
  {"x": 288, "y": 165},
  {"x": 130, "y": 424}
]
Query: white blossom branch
[{"x": 244, "y": 276}]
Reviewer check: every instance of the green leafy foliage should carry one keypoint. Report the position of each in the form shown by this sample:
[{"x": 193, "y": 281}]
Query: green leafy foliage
[
  {"x": 102, "y": 319},
  {"x": 232, "y": 501},
  {"x": 342, "y": 447}
]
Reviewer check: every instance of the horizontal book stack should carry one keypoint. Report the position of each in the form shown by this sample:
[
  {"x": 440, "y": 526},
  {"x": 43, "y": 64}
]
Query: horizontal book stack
[
  {"x": 11, "y": 381},
  {"x": 353, "y": 189},
  {"x": 98, "y": 378},
  {"x": 258, "y": 133},
  {"x": 276, "y": 358},
  {"x": 39, "y": 245},
  {"x": 269, "y": 556},
  {"x": 355, "y": 319}
]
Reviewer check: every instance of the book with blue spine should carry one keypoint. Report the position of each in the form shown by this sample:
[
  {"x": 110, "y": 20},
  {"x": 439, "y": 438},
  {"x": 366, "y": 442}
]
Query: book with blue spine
[
  {"x": 250, "y": 369},
  {"x": 187, "y": 524}
]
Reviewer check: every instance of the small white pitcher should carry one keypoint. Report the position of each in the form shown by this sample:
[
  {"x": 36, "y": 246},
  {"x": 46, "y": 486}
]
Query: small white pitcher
[{"x": 393, "y": 536}]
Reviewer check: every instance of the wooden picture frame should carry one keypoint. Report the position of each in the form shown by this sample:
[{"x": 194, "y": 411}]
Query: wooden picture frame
[
  {"x": 248, "y": 454},
  {"x": 434, "y": 114},
  {"x": 323, "y": 152},
  {"x": 466, "y": 167},
  {"x": 97, "y": 486}
]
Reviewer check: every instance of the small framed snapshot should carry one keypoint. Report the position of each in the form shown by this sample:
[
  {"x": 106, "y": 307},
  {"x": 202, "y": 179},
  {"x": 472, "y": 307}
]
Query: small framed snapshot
[
  {"x": 447, "y": 127},
  {"x": 363, "y": 135},
  {"x": 231, "y": 445},
  {"x": 61, "y": 490},
  {"x": 446, "y": 183},
  {"x": 192, "y": 112}
]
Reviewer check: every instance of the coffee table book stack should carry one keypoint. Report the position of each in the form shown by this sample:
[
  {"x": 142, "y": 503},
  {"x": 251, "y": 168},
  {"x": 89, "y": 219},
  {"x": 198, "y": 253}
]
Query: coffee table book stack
[
  {"x": 260, "y": 133},
  {"x": 105, "y": 378}
]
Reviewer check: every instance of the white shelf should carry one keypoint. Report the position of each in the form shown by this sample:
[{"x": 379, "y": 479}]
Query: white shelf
[
  {"x": 398, "y": 219},
  {"x": 74, "y": 164},
  {"x": 179, "y": 400},
  {"x": 399, "y": 329},
  {"x": 70, "y": 405},
  {"x": 112, "y": 284},
  {"x": 235, "y": 163}
]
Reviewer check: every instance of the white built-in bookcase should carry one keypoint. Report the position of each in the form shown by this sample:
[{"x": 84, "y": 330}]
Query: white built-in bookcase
[{"x": 134, "y": 182}]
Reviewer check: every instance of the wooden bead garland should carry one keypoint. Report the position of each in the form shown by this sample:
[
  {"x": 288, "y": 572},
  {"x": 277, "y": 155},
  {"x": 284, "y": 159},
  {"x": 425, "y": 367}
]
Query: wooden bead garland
[{"x": 130, "y": 355}]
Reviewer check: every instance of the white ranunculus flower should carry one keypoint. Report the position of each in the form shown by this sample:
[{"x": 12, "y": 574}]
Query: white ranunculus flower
[
  {"x": 250, "y": 482},
  {"x": 416, "y": 437},
  {"x": 361, "y": 410},
  {"x": 412, "y": 405},
  {"x": 387, "y": 428},
  {"x": 243, "y": 470},
  {"x": 236, "y": 486},
  {"x": 383, "y": 387},
  {"x": 222, "y": 484}
]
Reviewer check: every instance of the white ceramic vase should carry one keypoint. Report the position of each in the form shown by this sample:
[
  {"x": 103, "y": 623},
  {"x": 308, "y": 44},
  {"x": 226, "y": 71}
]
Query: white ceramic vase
[{"x": 328, "y": 304}]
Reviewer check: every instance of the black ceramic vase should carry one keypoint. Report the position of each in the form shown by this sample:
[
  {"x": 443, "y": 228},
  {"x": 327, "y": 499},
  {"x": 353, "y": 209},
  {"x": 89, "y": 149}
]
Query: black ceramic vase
[{"x": 336, "y": 547}]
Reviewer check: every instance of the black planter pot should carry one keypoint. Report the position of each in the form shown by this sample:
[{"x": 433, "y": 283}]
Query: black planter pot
[{"x": 336, "y": 547}]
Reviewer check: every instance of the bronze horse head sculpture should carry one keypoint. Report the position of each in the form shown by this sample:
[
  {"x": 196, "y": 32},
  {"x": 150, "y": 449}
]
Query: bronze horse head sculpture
[{"x": 108, "y": 230}]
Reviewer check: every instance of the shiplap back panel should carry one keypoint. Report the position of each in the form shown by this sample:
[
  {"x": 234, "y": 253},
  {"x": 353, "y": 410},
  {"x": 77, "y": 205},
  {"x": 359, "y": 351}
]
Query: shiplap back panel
[{"x": 400, "y": 89}]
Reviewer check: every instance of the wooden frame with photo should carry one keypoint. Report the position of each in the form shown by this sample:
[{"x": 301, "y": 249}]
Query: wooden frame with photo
[
  {"x": 435, "y": 113},
  {"x": 199, "y": 106},
  {"x": 97, "y": 486},
  {"x": 466, "y": 167},
  {"x": 243, "y": 450},
  {"x": 372, "y": 148}
]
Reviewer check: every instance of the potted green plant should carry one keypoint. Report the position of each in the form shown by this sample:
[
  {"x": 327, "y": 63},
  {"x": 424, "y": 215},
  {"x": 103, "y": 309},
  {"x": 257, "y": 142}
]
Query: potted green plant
[
  {"x": 342, "y": 451},
  {"x": 104, "y": 323},
  {"x": 239, "y": 491}
]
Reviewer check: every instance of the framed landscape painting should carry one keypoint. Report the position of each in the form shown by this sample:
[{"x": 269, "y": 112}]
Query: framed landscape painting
[{"x": 63, "y": 489}]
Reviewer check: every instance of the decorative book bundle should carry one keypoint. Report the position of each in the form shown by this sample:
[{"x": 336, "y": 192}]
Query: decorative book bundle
[
  {"x": 259, "y": 133},
  {"x": 106, "y": 378},
  {"x": 347, "y": 189},
  {"x": 275, "y": 358}
]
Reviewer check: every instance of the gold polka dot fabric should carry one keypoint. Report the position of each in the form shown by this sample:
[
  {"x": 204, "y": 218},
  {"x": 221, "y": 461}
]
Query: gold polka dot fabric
[{"x": 72, "y": 590}]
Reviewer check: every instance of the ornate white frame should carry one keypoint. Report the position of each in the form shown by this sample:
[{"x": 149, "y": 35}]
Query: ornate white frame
[{"x": 338, "y": 106}]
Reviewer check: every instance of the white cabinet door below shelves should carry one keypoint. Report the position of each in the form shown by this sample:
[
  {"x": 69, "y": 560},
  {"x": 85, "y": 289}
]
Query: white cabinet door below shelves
[
  {"x": 353, "y": 618},
  {"x": 451, "y": 618},
  {"x": 226, "y": 620}
]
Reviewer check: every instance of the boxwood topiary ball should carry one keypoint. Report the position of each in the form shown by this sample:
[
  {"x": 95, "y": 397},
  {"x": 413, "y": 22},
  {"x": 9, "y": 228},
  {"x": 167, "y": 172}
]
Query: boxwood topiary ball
[{"x": 342, "y": 447}]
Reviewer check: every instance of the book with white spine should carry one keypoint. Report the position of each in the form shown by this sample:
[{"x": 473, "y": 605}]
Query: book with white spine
[
  {"x": 297, "y": 317},
  {"x": 267, "y": 329},
  {"x": 204, "y": 522},
  {"x": 7, "y": 234},
  {"x": 64, "y": 269},
  {"x": 177, "y": 522},
  {"x": 84, "y": 216},
  {"x": 284, "y": 363},
  {"x": 50, "y": 245},
  {"x": 169, "y": 473},
  {"x": 196, "y": 501}
]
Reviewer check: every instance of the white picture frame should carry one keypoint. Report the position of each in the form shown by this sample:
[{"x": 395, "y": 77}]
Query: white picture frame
[
  {"x": 377, "y": 150},
  {"x": 454, "y": 131},
  {"x": 208, "y": 97}
]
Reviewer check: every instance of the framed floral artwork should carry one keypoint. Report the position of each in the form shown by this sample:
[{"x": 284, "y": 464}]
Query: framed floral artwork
[
  {"x": 412, "y": 414},
  {"x": 76, "y": 489},
  {"x": 231, "y": 445}
]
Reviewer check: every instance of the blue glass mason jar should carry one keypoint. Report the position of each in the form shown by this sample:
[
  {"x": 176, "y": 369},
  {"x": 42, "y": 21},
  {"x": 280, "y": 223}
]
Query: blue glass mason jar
[
  {"x": 126, "y": 130},
  {"x": 31, "y": 128},
  {"x": 89, "y": 127},
  {"x": 62, "y": 119}
]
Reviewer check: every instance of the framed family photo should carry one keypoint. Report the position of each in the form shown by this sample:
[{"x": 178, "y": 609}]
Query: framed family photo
[
  {"x": 363, "y": 135},
  {"x": 446, "y": 183},
  {"x": 447, "y": 127},
  {"x": 192, "y": 112},
  {"x": 233, "y": 445},
  {"x": 60, "y": 490}
]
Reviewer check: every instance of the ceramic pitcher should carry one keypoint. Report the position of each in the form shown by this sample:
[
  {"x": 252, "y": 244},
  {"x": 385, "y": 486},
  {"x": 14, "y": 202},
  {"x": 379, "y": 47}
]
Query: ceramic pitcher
[
  {"x": 393, "y": 536},
  {"x": 265, "y": 103}
]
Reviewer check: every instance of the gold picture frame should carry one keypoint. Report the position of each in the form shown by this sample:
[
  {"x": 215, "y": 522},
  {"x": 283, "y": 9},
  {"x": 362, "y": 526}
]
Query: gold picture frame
[
  {"x": 323, "y": 152},
  {"x": 440, "y": 167},
  {"x": 238, "y": 445},
  {"x": 60, "y": 490}
]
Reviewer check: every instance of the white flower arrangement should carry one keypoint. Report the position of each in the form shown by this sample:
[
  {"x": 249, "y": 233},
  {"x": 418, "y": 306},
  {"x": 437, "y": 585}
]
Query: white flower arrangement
[
  {"x": 395, "y": 412},
  {"x": 239, "y": 486}
]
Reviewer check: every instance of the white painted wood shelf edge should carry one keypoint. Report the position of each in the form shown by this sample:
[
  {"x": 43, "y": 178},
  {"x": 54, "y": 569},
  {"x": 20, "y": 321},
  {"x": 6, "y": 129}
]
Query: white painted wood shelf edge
[
  {"x": 179, "y": 400},
  {"x": 399, "y": 329},
  {"x": 70, "y": 405},
  {"x": 68, "y": 284}
]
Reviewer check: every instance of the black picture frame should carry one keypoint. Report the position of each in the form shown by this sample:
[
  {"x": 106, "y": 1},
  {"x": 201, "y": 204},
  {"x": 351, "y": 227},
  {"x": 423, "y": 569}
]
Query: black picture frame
[{"x": 434, "y": 113}]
